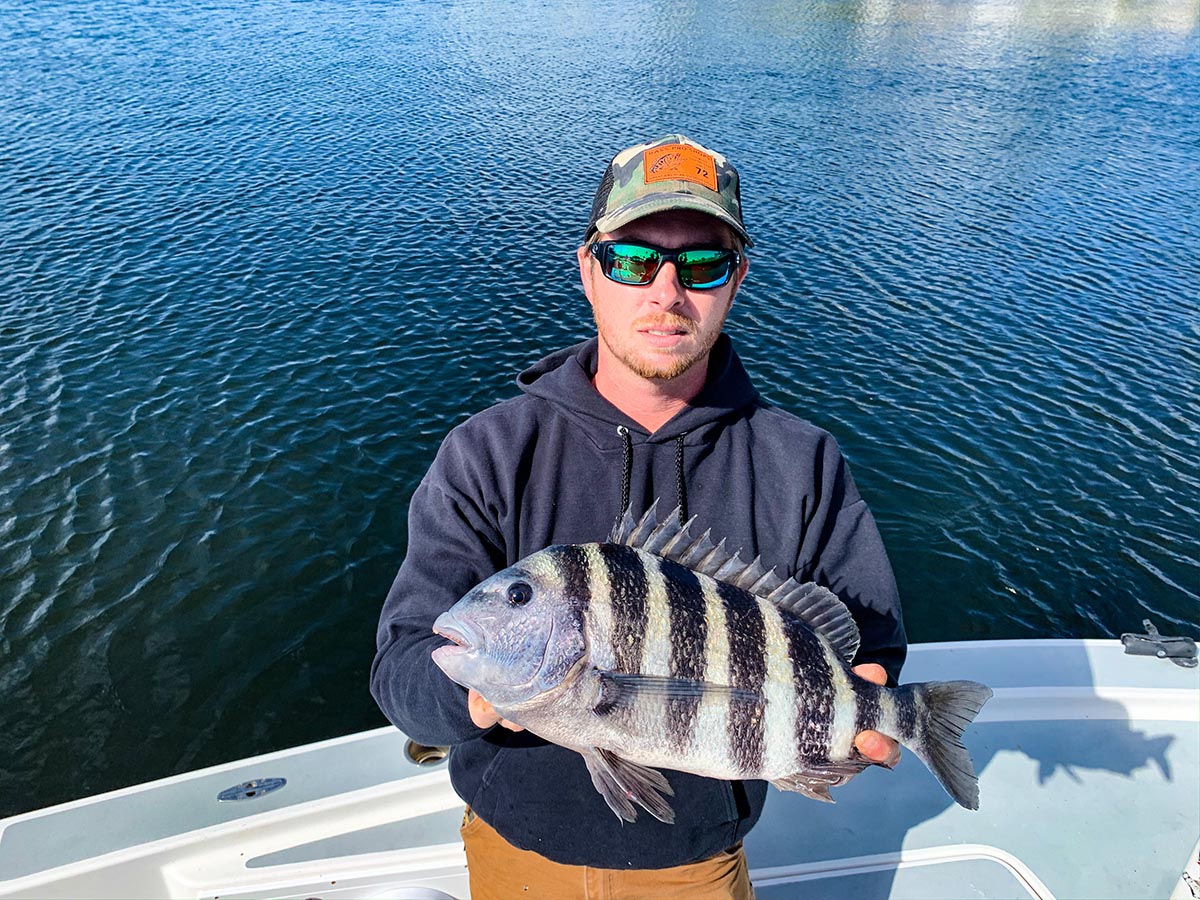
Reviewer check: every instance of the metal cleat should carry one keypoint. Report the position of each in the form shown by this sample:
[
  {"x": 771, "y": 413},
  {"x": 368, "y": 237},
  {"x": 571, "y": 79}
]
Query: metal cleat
[{"x": 1180, "y": 650}]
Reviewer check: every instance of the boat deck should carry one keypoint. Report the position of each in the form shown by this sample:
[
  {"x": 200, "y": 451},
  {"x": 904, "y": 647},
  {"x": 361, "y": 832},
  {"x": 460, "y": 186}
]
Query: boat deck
[
  {"x": 1076, "y": 798},
  {"x": 1089, "y": 765}
]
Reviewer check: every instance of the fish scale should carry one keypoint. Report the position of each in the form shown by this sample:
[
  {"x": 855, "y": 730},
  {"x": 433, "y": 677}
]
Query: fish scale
[
  {"x": 781, "y": 696},
  {"x": 810, "y": 668},
  {"x": 628, "y": 589},
  {"x": 712, "y": 709},
  {"x": 688, "y": 638},
  {"x": 659, "y": 649},
  {"x": 748, "y": 669}
]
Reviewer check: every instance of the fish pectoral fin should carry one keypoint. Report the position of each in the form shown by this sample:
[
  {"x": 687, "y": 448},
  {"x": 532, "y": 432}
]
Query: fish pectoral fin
[
  {"x": 816, "y": 781},
  {"x": 618, "y": 690},
  {"x": 622, "y": 783}
]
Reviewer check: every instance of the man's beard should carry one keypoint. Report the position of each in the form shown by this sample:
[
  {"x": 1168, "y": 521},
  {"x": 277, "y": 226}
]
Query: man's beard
[{"x": 669, "y": 369}]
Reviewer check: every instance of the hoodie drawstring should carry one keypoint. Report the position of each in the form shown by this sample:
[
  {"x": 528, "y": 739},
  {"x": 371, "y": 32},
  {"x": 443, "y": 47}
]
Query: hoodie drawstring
[
  {"x": 680, "y": 486},
  {"x": 627, "y": 472},
  {"x": 626, "y": 467}
]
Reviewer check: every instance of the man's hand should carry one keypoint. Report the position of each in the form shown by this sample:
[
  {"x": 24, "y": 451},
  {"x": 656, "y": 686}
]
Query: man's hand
[
  {"x": 484, "y": 715},
  {"x": 871, "y": 744}
]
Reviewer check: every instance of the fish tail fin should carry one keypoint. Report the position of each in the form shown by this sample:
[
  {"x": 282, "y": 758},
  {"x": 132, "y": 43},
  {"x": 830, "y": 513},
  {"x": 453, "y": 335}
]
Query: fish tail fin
[{"x": 943, "y": 710}]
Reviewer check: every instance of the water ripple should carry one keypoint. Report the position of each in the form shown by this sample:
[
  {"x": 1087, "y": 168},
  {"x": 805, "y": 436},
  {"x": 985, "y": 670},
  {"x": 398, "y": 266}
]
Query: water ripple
[{"x": 256, "y": 268}]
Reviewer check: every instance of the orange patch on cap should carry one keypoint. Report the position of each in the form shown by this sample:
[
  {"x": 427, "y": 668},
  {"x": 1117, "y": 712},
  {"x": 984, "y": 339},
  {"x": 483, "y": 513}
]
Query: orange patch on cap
[{"x": 681, "y": 162}]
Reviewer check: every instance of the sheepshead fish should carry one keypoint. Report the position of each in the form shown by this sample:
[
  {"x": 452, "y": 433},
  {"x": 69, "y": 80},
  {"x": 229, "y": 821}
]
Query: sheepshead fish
[{"x": 658, "y": 649}]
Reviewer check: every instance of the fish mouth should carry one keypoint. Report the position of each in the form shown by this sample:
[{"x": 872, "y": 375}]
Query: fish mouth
[{"x": 460, "y": 640}]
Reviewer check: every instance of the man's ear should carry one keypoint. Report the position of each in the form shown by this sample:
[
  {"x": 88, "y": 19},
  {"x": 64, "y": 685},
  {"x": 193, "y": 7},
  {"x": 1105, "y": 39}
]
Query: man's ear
[{"x": 586, "y": 271}]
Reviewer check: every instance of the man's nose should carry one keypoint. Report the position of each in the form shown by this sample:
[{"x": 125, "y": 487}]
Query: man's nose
[{"x": 666, "y": 290}]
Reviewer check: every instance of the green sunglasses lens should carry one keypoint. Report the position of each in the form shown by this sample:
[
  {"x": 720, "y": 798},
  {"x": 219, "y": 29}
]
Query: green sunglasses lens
[
  {"x": 700, "y": 269},
  {"x": 631, "y": 263},
  {"x": 703, "y": 269}
]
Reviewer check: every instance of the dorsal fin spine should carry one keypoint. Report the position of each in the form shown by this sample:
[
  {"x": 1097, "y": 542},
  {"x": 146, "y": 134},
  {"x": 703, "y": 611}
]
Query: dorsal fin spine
[
  {"x": 730, "y": 569},
  {"x": 713, "y": 558},
  {"x": 751, "y": 575},
  {"x": 671, "y": 548},
  {"x": 818, "y": 607},
  {"x": 697, "y": 549},
  {"x": 763, "y": 586},
  {"x": 644, "y": 528}
]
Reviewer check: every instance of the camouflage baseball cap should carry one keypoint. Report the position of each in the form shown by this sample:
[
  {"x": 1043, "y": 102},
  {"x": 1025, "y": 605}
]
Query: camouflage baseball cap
[{"x": 673, "y": 172}]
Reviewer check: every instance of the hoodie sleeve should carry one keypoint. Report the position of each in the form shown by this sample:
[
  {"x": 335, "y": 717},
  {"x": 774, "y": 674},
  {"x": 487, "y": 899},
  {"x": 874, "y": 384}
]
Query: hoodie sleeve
[
  {"x": 451, "y": 548},
  {"x": 842, "y": 549}
]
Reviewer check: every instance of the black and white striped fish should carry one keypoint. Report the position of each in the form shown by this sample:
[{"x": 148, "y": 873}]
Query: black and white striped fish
[{"x": 658, "y": 649}]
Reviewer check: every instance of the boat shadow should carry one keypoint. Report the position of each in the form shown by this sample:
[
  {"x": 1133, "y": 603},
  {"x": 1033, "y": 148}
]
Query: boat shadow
[{"x": 1048, "y": 739}]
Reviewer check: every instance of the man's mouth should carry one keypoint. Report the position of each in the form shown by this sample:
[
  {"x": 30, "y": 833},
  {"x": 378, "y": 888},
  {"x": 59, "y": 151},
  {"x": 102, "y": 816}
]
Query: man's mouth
[{"x": 664, "y": 330}]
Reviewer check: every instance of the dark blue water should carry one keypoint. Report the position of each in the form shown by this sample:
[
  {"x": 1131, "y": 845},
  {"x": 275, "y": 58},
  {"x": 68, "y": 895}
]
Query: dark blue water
[{"x": 256, "y": 259}]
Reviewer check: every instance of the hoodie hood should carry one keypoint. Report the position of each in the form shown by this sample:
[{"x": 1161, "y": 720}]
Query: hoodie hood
[{"x": 564, "y": 379}]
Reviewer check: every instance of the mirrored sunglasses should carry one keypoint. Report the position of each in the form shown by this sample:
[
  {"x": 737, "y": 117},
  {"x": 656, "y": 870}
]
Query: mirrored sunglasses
[{"x": 699, "y": 268}]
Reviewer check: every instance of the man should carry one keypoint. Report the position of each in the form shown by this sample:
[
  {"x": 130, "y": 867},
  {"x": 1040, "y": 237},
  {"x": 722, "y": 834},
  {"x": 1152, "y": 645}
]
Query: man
[{"x": 658, "y": 406}]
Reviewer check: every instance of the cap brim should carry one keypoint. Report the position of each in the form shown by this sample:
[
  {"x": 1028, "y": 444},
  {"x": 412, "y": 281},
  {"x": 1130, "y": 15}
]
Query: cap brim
[{"x": 646, "y": 206}]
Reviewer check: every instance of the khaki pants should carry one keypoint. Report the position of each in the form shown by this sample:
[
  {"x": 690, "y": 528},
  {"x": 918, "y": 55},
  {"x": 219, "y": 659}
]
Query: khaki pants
[{"x": 500, "y": 871}]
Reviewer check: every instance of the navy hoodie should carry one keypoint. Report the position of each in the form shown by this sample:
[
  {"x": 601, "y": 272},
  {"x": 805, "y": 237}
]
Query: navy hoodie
[{"x": 553, "y": 466}]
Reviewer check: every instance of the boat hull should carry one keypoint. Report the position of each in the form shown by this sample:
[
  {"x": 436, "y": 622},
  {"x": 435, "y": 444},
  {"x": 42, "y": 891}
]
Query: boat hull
[{"x": 1089, "y": 765}]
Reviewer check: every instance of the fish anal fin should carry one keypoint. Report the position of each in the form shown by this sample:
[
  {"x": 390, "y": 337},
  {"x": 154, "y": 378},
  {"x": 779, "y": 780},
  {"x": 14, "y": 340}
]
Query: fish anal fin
[
  {"x": 815, "y": 781},
  {"x": 817, "y": 791},
  {"x": 623, "y": 783}
]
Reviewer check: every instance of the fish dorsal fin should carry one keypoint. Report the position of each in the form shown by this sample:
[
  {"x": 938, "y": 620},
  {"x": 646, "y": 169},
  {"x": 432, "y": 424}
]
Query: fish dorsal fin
[
  {"x": 818, "y": 607},
  {"x": 630, "y": 531},
  {"x": 821, "y": 610},
  {"x": 672, "y": 539}
]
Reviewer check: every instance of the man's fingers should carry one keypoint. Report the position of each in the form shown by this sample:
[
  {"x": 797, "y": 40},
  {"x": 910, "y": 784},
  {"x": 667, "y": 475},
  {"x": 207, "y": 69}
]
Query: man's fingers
[
  {"x": 872, "y": 672},
  {"x": 878, "y": 748},
  {"x": 484, "y": 715}
]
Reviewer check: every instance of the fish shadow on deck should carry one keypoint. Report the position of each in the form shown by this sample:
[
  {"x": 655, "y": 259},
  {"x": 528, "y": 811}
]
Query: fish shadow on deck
[{"x": 1070, "y": 765}]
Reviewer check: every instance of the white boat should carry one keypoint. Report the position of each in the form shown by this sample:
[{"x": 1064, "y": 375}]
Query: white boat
[{"x": 1089, "y": 763}]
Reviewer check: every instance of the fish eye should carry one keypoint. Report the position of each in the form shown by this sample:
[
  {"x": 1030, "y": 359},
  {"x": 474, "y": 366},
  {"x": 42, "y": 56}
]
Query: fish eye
[{"x": 519, "y": 593}]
